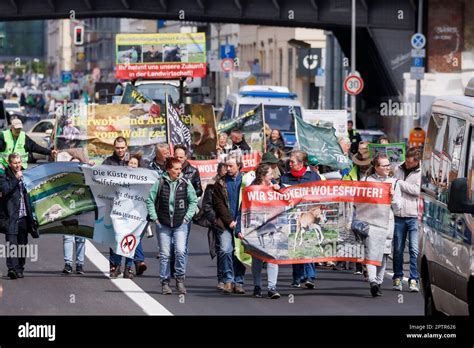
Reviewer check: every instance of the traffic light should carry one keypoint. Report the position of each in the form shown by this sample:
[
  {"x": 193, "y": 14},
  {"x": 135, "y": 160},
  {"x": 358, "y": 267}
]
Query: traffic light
[{"x": 78, "y": 35}]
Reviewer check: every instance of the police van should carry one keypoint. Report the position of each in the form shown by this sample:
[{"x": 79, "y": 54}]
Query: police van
[
  {"x": 279, "y": 106},
  {"x": 446, "y": 207}
]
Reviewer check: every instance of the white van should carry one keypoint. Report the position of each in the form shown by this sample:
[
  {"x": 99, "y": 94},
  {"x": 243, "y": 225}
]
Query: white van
[
  {"x": 446, "y": 227},
  {"x": 278, "y": 102}
]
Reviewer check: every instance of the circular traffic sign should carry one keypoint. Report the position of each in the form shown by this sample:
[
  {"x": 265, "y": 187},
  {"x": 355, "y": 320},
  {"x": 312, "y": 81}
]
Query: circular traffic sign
[
  {"x": 227, "y": 64},
  {"x": 418, "y": 40},
  {"x": 353, "y": 84}
]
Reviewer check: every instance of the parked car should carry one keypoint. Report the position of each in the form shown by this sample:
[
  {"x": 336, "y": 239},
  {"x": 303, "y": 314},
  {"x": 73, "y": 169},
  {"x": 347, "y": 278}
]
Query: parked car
[
  {"x": 40, "y": 133},
  {"x": 446, "y": 207},
  {"x": 370, "y": 135},
  {"x": 13, "y": 106}
]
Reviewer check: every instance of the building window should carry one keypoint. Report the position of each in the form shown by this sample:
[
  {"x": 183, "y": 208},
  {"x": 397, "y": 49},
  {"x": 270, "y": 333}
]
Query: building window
[
  {"x": 280, "y": 63},
  {"x": 290, "y": 68},
  {"x": 340, "y": 5}
]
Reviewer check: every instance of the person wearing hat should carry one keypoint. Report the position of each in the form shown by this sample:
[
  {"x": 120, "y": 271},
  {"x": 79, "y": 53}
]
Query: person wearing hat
[
  {"x": 15, "y": 140},
  {"x": 272, "y": 160},
  {"x": 313, "y": 165},
  {"x": 361, "y": 162}
]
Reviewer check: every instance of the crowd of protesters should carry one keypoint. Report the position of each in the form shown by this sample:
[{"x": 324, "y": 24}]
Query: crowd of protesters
[{"x": 173, "y": 205}]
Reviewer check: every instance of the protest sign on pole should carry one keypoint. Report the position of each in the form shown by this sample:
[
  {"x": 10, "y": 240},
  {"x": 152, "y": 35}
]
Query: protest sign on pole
[
  {"x": 178, "y": 133},
  {"x": 251, "y": 124},
  {"x": 395, "y": 152},
  {"x": 160, "y": 56}
]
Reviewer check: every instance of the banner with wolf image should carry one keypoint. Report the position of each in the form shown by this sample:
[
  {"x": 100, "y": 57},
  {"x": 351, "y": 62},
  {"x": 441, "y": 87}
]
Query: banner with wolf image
[{"x": 311, "y": 222}]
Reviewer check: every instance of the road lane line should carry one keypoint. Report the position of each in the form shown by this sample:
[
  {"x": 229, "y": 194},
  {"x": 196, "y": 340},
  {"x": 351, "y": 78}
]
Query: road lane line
[{"x": 147, "y": 303}]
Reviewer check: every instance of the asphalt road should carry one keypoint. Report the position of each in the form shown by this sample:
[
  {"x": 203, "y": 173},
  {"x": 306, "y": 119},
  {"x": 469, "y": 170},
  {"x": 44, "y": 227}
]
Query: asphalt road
[{"x": 46, "y": 291}]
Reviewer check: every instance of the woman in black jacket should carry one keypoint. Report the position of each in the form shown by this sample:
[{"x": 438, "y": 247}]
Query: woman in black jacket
[{"x": 210, "y": 216}]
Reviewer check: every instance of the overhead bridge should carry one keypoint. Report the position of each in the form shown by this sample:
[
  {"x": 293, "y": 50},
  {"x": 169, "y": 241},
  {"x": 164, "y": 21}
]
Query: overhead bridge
[{"x": 384, "y": 27}]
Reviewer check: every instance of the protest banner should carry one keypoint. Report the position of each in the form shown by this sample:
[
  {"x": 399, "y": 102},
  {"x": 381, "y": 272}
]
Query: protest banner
[
  {"x": 160, "y": 56},
  {"x": 251, "y": 124},
  {"x": 336, "y": 119},
  {"x": 200, "y": 120},
  {"x": 103, "y": 203},
  {"x": 142, "y": 125},
  {"x": 311, "y": 222},
  {"x": 395, "y": 152},
  {"x": 322, "y": 143},
  {"x": 208, "y": 168},
  {"x": 178, "y": 133}
]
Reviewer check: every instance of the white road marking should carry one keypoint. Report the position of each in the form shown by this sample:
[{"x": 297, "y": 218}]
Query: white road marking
[{"x": 147, "y": 303}]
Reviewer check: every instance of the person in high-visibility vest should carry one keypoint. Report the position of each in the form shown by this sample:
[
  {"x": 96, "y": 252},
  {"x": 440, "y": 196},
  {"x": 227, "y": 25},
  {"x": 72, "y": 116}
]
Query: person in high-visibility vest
[
  {"x": 354, "y": 136},
  {"x": 15, "y": 140},
  {"x": 417, "y": 137}
]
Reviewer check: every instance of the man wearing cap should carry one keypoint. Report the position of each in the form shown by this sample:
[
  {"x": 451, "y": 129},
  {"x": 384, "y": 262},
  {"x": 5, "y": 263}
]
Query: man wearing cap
[
  {"x": 361, "y": 162},
  {"x": 15, "y": 140}
]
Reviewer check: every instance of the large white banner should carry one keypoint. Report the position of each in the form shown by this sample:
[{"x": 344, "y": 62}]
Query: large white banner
[{"x": 120, "y": 194}]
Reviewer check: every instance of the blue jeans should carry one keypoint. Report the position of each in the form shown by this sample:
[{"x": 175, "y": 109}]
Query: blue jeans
[
  {"x": 405, "y": 226},
  {"x": 272, "y": 273},
  {"x": 68, "y": 242},
  {"x": 139, "y": 256},
  {"x": 167, "y": 237},
  {"x": 116, "y": 260},
  {"x": 232, "y": 271},
  {"x": 303, "y": 272}
]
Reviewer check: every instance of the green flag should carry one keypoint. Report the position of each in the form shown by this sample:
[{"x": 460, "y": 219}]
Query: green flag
[
  {"x": 132, "y": 96},
  {"x": 320, "y": 142},
  {"x": 251, "y": 124}
]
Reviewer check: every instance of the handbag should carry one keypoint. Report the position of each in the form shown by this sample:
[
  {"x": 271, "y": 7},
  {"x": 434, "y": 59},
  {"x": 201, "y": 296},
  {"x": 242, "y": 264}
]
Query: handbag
[{"x": 360, "y": 229}]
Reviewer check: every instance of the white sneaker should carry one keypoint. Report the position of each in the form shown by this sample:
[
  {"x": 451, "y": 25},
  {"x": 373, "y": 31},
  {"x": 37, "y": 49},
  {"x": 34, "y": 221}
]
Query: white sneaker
[
  {"x": 413, "y": 287},
  {"x": 397, "y": 284}
]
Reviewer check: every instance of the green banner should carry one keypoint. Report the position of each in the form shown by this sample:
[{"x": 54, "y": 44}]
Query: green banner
[
  {"x": 322, "y": 143},
  {"x": 395, "y": 152}
]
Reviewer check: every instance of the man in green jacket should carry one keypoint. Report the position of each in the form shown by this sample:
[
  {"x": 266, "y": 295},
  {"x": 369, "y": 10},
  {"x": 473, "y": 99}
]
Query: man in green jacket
[{"x": 172, "y": 204}]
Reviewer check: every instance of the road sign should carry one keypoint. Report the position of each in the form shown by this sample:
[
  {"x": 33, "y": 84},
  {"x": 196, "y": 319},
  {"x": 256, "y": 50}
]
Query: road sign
[
  {"x": 417, "y": 62},
  {"x": 418, "y": 40},
  {"x": 227, "y": 51},
  {"x": 241, "y": 74},
  {"x": 353, "y": 84},
  {"x": 227, "y": 64},
  {"x": 417, "y": 73},
  {"x": 66, "y": 76},
  {"x": 418, "y": 53}
]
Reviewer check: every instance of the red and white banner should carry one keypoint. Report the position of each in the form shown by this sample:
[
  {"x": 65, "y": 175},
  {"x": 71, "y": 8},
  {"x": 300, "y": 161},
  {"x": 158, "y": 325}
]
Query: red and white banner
[
  {"x": 160, "y": 71},
  {"x": 312, "y": 222}
]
